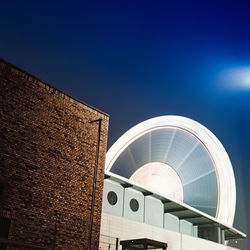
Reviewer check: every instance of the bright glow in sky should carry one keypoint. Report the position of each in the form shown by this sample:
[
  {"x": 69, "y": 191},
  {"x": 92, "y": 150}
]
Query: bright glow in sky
[{"x": 236, "y": 78}]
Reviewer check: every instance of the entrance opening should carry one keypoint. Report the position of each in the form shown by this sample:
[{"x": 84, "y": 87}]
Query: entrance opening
[{"x": 144, "y": 244}]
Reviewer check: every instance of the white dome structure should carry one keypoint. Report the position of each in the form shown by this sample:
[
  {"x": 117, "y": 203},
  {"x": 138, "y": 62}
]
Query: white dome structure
[{"x": 180, "y": 159}]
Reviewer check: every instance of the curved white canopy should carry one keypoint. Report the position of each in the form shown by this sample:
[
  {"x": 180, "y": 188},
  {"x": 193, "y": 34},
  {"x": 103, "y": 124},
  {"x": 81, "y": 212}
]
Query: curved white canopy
[{"x": 193, "y": 153}]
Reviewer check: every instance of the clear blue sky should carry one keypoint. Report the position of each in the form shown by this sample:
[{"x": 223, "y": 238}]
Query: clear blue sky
[{"x": 139, "y": 59}]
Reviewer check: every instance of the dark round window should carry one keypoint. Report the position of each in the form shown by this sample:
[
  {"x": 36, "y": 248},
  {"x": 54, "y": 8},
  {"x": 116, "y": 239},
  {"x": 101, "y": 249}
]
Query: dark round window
[
  {"x": 134, "y": 205},
  {"x": 112, "y": 198}
]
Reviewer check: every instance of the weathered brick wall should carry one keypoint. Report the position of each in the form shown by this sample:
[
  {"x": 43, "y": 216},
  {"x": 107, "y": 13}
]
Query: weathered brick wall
[{"x": 47, "y": 160}]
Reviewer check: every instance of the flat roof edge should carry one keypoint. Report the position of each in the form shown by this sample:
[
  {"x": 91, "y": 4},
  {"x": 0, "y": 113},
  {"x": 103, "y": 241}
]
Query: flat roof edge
[
  {"x": 211, "y": 220},
  {"x": 51, "y": 86}
]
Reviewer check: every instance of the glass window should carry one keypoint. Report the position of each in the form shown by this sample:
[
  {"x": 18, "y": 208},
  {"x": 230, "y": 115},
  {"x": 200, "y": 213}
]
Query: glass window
[
  {"x": 112, "y": 198},
  {"x": 134, "y": 205}
]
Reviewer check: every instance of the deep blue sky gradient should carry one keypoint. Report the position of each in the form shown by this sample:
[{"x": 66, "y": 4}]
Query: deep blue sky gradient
[{"x": 140, "y": 59}]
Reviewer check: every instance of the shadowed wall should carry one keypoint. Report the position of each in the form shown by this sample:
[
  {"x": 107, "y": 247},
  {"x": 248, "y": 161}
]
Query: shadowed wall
[{"x": 48, "y": 156}]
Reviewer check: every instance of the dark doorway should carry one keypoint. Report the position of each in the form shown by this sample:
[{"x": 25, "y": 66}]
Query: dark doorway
[{"x": 144, "y": 244}]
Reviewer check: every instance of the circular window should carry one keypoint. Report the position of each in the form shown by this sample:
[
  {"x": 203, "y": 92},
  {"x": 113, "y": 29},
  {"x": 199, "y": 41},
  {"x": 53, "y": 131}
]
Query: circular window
[
  {"x": 134, "y": 205},
  {"x": 112, "y": 198}
]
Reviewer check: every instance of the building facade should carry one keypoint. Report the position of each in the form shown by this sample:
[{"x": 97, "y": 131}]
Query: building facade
[
  {"x": 170, "y": 180},
  {"x": 52, "y": 157},
  {"x": 131, "y": 212}
]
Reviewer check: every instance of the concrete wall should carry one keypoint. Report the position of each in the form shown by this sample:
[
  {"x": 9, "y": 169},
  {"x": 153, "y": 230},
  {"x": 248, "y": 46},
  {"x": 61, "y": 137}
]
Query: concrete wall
[
  {"x": 186, "y": 227},
  {"x": 47, "y": 161},
  {"x": 154, "y": 210},
  {"x": 171, "y": 222},
  {"x": 113, "y": 227},
  {"x": 129, "y": 195},
  {"x": 150, "y": 209},
  {"x": 117, "y": 208}
]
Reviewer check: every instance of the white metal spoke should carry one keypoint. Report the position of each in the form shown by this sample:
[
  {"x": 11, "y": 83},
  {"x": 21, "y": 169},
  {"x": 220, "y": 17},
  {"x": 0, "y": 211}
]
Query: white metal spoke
[
  {"x": 132, "y": 159},
  {"x": 201, "y": 206},
  {"x": 150, "y": 147},
  {"x": 199, "y": 177},
  {"x": 169, "y": 146},
  {"x": 187, "y": 155}
]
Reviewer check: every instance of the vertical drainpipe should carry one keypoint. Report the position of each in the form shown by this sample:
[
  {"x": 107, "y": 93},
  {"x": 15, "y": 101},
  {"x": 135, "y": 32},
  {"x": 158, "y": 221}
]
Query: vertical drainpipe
[{"x": 94, "y": 180}]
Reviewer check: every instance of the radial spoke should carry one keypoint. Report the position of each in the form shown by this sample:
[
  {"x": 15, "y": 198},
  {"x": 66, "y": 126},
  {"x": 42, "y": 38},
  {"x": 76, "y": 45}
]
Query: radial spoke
[
  {"x": 199, "y": 177},
  {"x": 132, "y": 159},
  {"x": 187, "y": 155},
  {"x": 169, "y": 146},
  {"x": 149, "y": 147},
  {"x": 201, "y": 206}
]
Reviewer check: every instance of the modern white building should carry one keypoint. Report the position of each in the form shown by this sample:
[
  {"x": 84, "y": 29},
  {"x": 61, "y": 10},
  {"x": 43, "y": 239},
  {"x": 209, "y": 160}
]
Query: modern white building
[{"x": 168, "y": 179}]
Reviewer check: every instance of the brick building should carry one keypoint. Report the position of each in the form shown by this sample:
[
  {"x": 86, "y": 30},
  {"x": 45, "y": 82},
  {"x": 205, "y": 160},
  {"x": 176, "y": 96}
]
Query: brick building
[{"x": 52, "y": 156}]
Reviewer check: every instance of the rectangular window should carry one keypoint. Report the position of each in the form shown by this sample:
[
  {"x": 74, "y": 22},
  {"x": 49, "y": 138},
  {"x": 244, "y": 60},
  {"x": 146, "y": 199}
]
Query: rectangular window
[{"x": 4, "y": 228}]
